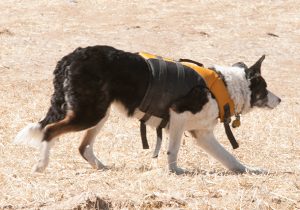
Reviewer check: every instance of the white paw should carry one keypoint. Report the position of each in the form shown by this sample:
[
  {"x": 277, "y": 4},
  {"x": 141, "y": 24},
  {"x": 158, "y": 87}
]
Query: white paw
[
  {"x": 99, "y": 166},
  {"x": 39, "y": 167},
  {"x": 153, "y": 164},
  {"x": 257, "y": 171},
  {"x": 88, "y": 154},
  {"x": 177, "y": 170}
]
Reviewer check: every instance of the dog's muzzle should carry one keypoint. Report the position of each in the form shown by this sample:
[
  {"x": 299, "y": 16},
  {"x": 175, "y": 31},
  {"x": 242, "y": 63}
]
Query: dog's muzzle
[{"x": 273, "y": 100}]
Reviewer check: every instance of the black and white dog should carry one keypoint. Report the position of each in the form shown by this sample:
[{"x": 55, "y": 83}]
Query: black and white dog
[{"x": 89, "y": 80}]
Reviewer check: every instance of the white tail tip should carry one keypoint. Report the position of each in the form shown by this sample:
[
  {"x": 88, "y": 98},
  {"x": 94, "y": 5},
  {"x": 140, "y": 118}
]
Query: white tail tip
[{"x": 32, "y": 135}]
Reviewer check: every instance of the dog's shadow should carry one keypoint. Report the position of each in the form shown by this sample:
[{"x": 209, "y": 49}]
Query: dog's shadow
[
  {"x": 224, "y": 172},
  {"x": 185, "y": 172},
  {"x": 197, "y": 172}
]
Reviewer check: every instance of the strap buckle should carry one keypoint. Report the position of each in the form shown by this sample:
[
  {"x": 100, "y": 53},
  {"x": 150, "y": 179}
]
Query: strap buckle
[{"x": 228, "y": 131}]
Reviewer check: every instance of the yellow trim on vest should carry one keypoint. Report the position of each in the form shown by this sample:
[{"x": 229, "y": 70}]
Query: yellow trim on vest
[
  {"x": 149, "y": 56},
  {"x": 214, "y": 83}
]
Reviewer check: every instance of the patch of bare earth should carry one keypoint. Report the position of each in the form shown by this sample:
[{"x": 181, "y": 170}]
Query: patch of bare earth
[{"x": 35, "y": 34}]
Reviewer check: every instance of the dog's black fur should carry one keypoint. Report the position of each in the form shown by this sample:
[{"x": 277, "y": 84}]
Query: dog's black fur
[
  {"x": 89, "y": 79},
  {"x": 193, "y": 101}
]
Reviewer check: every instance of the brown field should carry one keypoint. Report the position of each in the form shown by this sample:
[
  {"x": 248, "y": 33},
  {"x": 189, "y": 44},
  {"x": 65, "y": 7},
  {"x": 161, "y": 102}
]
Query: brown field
[{"x": 35, "y": 34}]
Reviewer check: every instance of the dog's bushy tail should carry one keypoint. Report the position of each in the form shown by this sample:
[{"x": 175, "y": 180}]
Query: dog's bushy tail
[{"x": 33, "y": 134}]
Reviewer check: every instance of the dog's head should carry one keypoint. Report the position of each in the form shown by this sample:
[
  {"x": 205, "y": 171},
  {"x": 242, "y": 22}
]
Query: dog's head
[{"x": 260, "y": 95}]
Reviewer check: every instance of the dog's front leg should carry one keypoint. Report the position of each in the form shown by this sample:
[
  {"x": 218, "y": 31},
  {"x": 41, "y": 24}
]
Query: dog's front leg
[
  {"x": 175, "y": 133},
  {"x": 207, "y": 141}
]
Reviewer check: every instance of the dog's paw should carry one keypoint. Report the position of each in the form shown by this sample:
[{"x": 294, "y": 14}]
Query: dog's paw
[
  {"x": 154, "y": 163},
  {"x": 257, "y": 171},
  {"x": 249, "y": 170},
  {"x": 178, "y": 171},
  {"x": 100, "y": 166},
  {"x": 39, "y": 168}
]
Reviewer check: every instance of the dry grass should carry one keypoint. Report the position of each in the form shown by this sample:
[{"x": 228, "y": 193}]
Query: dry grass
[{"x": 35, "y": 34}]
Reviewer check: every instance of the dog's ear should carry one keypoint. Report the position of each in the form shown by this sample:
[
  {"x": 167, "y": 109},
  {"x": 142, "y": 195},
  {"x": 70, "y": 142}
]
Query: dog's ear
[
  {"x": 256, "y": 68},
  {"x": 241, "y": 65}
]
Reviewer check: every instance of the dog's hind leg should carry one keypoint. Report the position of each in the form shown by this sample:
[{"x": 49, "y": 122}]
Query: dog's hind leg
[
  {"x": 207, "y": 141},
  {"x": 49, "y": 133},
  {"x": 87, "y": 142},
  {"x": 73, "y": 121}
]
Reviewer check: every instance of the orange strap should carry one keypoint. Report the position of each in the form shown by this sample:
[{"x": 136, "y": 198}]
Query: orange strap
[{"x": 216, "y": 85}]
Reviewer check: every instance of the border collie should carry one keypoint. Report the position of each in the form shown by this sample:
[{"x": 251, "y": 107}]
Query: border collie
[{"x": 89, "y": 80}]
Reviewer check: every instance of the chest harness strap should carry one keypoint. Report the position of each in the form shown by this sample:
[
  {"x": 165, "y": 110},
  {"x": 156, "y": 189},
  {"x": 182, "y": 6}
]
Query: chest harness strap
[{"x": 146, "y": 117}]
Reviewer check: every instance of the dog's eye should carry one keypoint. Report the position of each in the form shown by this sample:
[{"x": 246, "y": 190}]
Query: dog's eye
[
  {"x": 258, "y": 96},
  {"x": 264, "y": 94}
]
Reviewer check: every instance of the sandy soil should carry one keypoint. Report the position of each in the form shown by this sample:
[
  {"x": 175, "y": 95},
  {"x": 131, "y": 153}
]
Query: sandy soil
[{"x": 35, "y": 34}]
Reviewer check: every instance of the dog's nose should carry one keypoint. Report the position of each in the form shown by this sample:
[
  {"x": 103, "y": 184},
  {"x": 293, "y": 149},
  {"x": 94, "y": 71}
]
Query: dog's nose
[{"x": 279, "y": 100}]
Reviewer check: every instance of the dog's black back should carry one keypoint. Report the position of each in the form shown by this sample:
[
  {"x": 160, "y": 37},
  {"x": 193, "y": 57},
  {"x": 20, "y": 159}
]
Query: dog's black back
[{"x": 89, "y": 79}]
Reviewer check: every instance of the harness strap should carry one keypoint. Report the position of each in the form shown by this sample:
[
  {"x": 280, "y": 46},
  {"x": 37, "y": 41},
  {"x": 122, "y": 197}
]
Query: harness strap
[
  {"x": 228, "y": 131},
  {"x": 144, "y": 135},
  {"x": 158, "y": 142},
  {"x": 163, "y": 123},
  {"x": 190, "y": 61},
  {"x": 146, "y": 117}
]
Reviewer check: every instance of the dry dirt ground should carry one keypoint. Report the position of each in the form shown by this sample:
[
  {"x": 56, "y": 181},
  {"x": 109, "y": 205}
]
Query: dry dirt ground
[{"x": 35, "y": 34}]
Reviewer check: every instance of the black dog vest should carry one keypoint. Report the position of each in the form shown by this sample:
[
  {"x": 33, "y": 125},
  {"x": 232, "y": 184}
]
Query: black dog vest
[{"x": 169, "y": 80}]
